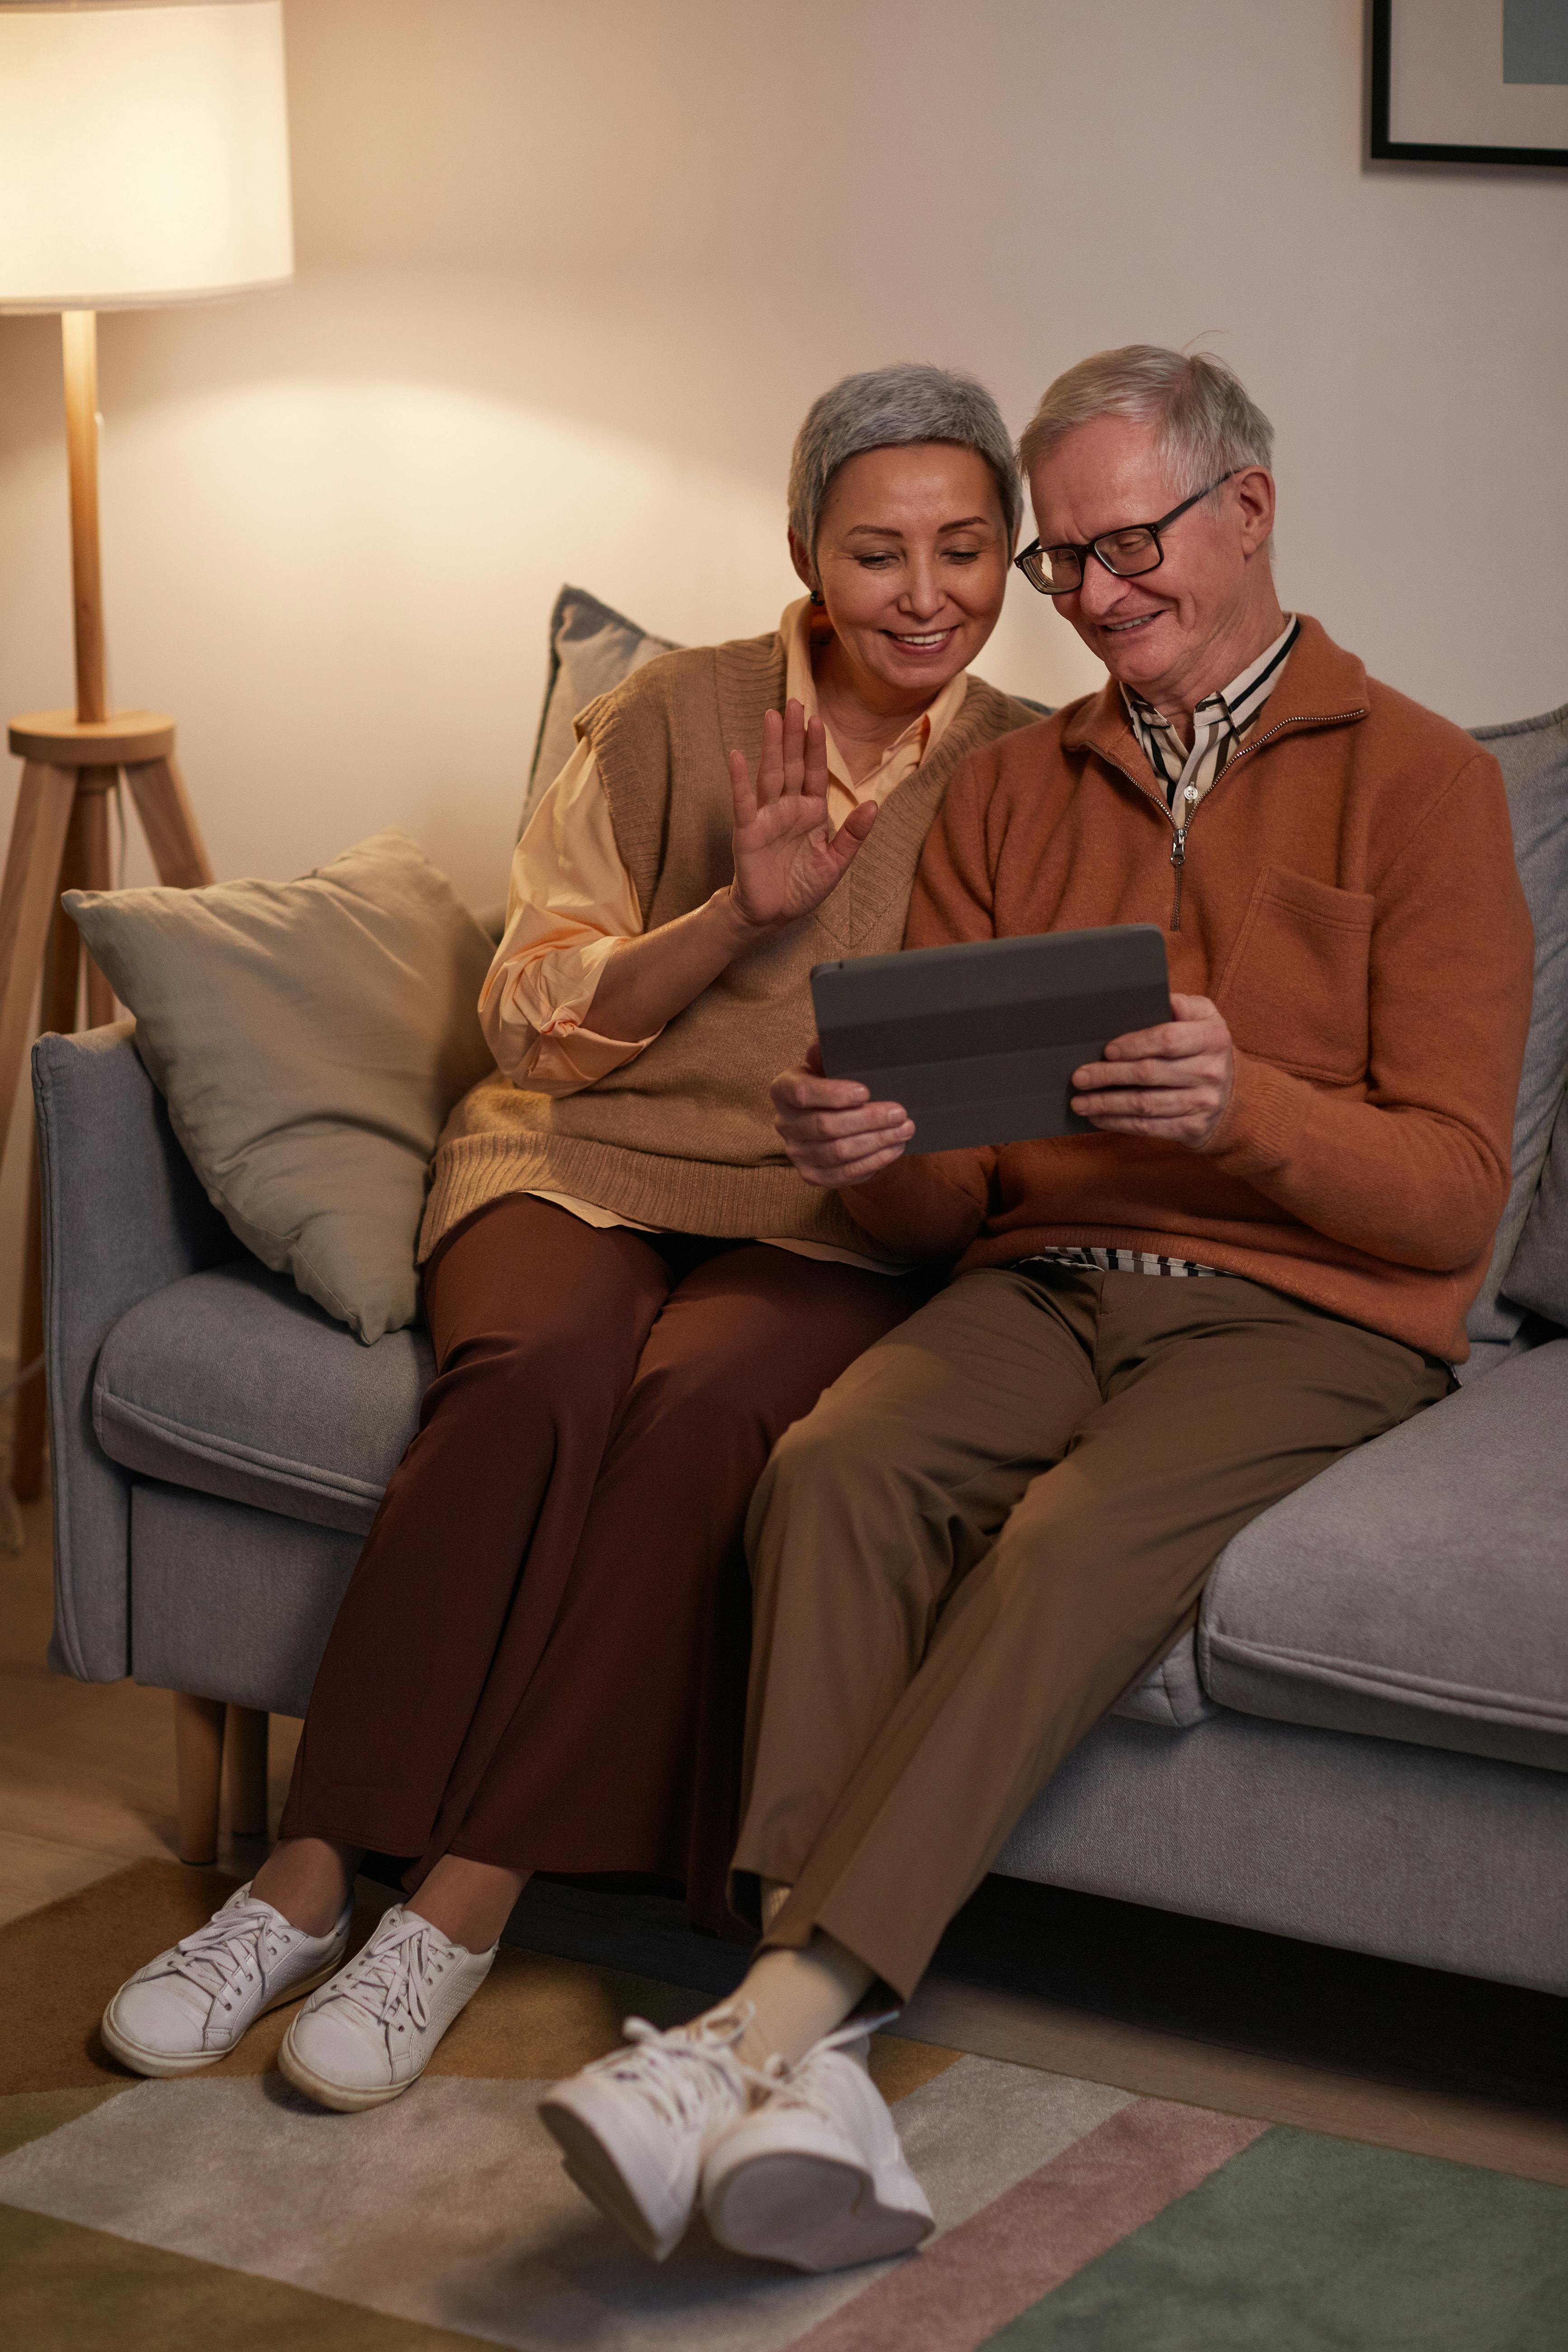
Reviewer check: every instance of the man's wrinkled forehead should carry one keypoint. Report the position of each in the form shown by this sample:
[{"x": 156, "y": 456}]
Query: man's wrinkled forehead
[{"x": 1110, "y": 472}]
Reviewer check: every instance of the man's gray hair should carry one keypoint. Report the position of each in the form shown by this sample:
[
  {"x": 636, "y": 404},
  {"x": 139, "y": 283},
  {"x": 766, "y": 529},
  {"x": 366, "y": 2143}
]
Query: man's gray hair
[
  {"x": 1208, "y": 423},
  {"x": 891, "y": 408}
]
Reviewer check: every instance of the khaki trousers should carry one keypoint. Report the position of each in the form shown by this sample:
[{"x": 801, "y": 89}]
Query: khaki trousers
[{"x": 991, "y": 1525}]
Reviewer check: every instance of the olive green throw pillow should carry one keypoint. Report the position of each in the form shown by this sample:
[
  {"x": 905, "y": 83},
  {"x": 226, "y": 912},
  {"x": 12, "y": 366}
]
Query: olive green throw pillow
[{"x": 309, "y": 1038}]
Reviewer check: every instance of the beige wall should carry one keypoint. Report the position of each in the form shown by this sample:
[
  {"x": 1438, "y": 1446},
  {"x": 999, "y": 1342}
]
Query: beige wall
[{"x": 569, "y": 274}]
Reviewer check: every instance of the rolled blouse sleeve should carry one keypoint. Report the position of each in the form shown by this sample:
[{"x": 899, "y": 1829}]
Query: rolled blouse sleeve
[{"x": 570, "y": 904}]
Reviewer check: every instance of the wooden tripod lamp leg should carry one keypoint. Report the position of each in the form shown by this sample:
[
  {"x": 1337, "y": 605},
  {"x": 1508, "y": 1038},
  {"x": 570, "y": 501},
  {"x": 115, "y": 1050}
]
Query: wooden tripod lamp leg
[
  {"x": 57, "y": 1009},
  {"x": 169, "y": 824},
  {"x": 27, "y": 898},
  {"x": 93, "y": 788}
]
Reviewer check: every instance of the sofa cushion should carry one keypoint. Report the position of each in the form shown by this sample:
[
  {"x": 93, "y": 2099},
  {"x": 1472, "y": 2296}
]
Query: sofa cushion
[
  {"x": 1534, "y": 756},
  {"x": 1419, "y": 1589},
  {"x": 592, "y": 648},
  {"x": 309, "y": 1038},
  {"x": 1170, "y": 1695},
  {"x": 230, "y": 1383}
]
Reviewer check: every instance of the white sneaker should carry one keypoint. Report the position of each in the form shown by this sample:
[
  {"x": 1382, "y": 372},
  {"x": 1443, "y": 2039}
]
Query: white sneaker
[
  {"x": 815, "y": 2176},
  {"x": 373, "y": 2031},
  {"x": 635, "y": 2128},
  {"x": 192, "y": 2003}
]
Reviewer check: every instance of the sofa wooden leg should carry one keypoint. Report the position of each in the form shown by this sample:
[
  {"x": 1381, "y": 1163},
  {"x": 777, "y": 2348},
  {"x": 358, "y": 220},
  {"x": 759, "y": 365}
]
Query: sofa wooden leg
[
  {"x": 198, "y": 1773},
  {"x": 245, "y": 1759}
]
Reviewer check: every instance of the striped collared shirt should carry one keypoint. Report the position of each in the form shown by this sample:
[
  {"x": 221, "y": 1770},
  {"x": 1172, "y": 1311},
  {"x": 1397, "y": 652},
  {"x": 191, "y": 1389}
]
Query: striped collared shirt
[
  {"x": 1111, "y": 1261},
  {"x": 1220, "y": 724}
]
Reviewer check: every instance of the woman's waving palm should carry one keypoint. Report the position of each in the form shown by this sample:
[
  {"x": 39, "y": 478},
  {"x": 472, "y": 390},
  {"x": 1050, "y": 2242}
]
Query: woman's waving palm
[{"x": 787, "y": 855}]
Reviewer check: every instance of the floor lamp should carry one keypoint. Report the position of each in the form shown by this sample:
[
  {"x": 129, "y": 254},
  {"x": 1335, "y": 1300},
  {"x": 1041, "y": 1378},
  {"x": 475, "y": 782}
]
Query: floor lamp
[{"x": 143, "y": 160}]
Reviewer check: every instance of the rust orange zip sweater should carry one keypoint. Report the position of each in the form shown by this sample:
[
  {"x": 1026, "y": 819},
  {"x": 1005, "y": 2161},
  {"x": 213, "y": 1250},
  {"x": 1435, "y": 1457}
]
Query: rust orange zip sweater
[{"x": 1349, "y": 900}]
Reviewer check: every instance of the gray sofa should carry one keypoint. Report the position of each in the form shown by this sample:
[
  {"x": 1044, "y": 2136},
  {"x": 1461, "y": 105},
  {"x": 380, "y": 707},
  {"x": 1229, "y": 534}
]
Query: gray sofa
[{"x": 1365, "y": 1744}]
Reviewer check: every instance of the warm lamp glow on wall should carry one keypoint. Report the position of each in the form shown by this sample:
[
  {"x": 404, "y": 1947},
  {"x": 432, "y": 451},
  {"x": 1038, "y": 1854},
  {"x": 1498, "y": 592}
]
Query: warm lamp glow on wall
[{"x": 143, "y": 160}]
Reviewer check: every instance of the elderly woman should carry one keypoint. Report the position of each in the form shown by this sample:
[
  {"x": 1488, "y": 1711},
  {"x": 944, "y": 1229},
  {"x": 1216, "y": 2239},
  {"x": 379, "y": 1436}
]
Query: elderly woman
[{"x": 541, "y": 1661}]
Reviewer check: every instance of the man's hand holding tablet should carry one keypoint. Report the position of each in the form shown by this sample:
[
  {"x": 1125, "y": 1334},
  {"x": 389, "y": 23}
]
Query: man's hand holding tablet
[{"x": 1172, "y": 1082}]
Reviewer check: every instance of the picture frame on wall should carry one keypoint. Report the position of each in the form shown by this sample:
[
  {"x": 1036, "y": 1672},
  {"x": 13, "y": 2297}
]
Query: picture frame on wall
[{"x": 1470, "y": 81}]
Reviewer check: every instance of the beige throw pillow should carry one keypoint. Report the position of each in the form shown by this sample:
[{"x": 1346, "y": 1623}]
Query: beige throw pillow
[{"x": 309, "y": 1038}]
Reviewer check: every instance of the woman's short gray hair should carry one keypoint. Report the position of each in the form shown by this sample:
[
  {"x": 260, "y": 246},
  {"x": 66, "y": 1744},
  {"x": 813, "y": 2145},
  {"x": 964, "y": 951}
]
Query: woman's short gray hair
[
  {"x": 1208, "y": 424},
  {"x": 891, "y": 408}
]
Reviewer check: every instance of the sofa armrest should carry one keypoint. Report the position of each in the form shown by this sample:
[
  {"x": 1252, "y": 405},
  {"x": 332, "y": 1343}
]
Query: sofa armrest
[{"x": 124, "y": 1215}]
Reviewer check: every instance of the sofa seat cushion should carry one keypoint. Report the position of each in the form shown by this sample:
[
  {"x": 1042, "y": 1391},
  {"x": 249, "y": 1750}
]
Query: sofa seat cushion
[
  {"x": 1419, "y": 1588},
  {"x": 232, "y": 1382},
  {"x": 1170, "y": 1696}
]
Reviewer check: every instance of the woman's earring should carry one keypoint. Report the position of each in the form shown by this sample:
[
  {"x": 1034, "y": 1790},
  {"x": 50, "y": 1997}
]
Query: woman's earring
[{"x": 816, "y": 597}]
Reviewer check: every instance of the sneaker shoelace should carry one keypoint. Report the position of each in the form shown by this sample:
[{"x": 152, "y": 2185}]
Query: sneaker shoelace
[
  {"x": 390, "y": 1975},
  {"x": 689, "y": 2079},
  {"x": 232, "y": 1941},
  {"x": 793, "y": 2086}
]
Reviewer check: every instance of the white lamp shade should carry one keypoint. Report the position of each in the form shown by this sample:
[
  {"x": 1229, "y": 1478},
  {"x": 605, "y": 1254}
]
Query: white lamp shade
[{"x": 144, "y": 153}]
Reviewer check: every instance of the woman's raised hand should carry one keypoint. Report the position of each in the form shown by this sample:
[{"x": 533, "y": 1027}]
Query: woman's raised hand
[
  {"x": 787, "y": 855},
  {"x": 788, "y": 859}
]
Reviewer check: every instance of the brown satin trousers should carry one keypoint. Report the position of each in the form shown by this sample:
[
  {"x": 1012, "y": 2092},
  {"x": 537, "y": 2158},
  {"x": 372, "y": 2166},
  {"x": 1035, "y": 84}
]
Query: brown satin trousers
[{"x": 540, "y": 1658}]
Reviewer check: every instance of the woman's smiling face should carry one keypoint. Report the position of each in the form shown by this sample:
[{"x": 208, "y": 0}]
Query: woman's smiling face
[{"x": 912, "y": 560}]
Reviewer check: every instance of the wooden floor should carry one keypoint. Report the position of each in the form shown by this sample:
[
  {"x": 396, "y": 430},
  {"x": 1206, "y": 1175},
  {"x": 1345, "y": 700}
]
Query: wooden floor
[{"x": 1168, "y": 2006}]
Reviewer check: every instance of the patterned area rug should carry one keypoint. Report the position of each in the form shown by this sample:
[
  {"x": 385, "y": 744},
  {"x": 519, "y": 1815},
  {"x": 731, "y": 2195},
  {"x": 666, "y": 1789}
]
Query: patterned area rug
[{"x": 226, "y": 2209}]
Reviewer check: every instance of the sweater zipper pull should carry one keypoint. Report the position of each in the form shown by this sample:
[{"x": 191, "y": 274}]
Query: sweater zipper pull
[{"x": 1189, "y": 801}]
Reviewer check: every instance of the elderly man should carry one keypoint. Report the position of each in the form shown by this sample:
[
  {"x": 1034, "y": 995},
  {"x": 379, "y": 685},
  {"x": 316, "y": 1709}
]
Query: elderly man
[{"x": 1003, "y": 1514}]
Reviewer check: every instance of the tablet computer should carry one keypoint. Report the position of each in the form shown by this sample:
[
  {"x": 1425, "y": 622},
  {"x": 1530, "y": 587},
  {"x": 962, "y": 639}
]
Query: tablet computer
[{"x": 980, "y": 1043}]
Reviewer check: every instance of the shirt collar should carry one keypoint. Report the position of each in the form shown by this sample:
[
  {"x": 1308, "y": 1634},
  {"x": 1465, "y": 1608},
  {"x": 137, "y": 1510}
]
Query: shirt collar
[
  {"x": 796, "y": 625},
  {"x": 1321, "y": 685},
  {"x": 1231, "y": 708}
]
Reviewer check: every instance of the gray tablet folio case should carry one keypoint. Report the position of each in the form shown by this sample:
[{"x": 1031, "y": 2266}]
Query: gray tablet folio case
[{"x": 979, "y": 1043}]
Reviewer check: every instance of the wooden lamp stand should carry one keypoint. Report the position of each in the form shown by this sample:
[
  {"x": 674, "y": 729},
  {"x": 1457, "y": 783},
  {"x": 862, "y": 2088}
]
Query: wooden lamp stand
[{"x": 59, "y": 841}]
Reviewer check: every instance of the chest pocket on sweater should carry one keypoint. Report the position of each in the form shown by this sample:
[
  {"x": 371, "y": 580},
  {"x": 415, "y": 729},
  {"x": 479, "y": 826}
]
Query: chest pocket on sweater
[{"x": 1295, "y": 988}]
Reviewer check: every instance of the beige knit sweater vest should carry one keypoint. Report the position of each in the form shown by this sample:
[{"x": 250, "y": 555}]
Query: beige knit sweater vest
[{"x": 683, "y": 1137}]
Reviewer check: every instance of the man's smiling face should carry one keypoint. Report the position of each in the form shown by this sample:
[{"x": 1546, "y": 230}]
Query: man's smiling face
[{"x": 1178, "y": 633}]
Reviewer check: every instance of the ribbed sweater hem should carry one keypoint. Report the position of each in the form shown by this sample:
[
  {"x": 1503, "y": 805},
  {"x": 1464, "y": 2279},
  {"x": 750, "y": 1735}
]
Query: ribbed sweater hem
[
  {"x": 1420, "y": 1310},
  {"x": 691, "y": 1196}
]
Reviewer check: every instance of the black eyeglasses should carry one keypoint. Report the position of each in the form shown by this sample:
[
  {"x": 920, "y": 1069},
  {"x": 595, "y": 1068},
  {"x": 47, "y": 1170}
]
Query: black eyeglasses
[{"x": 1126, "y": 554}]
